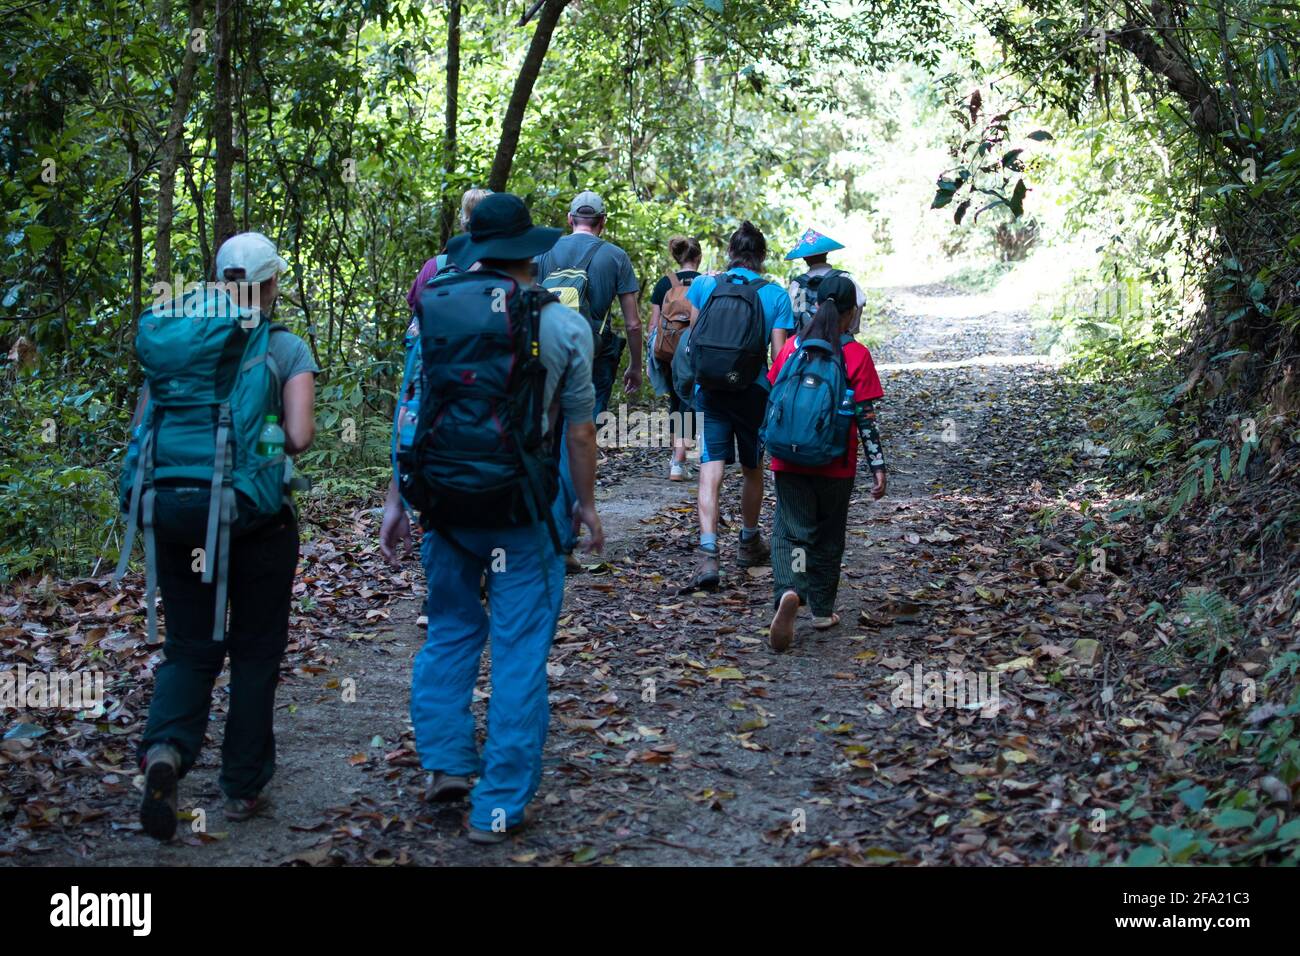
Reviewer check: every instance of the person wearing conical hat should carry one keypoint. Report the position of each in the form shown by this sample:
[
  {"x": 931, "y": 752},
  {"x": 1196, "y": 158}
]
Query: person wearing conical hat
[{"x": 814, "y": 247}]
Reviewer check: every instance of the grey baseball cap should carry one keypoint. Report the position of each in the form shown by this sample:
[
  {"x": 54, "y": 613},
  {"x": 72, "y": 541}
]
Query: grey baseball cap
[{"x": 587, "y": 203}]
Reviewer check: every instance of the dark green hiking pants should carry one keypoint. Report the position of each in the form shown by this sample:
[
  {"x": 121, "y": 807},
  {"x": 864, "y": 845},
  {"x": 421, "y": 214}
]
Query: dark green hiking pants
[
  {"x": 808, "y": 538},
  {"x": 262, "y": 566}
]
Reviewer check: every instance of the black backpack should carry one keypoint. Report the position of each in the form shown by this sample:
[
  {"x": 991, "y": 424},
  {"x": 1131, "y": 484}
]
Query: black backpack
[
  {"x": 728, "y": 342},
  {"x": 480, "y": 456},
  {"x": 803, "y": 297}
]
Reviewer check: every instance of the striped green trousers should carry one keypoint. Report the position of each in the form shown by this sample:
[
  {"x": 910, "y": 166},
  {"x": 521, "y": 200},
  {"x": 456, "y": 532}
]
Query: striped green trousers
[{"x": 808, "y": 538}]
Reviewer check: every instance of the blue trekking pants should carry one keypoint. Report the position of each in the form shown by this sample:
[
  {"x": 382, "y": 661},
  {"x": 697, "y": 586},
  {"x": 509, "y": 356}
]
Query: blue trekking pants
[
  {"x": 525, "y": 584},
  {"x": 567, "y": 496}
]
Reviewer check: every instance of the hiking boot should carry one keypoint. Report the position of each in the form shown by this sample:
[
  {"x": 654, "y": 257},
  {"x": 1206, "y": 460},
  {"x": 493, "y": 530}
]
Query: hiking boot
[
  {"x": 753, "y": 553},
  {"x": 706, "y": 571},
  {"x": 158, "y": 806},
  {"x": 239, "y": 809},
  {"x": 781, "y": 634},
  {"x": 572, "y": 565},
  {"x": 446, "y": 788},
  {"x": 494, "y": 837}
]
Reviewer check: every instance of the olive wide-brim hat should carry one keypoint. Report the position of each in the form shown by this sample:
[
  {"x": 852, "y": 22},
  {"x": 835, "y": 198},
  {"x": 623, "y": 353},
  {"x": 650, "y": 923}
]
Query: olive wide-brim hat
[{"x": 500, "y": 227}]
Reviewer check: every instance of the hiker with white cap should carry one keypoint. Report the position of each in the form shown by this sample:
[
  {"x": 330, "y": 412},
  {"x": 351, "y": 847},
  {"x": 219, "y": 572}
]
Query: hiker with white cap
[
  {"x": 814, "y": 248},
  {"x": 228, "y": 396}
]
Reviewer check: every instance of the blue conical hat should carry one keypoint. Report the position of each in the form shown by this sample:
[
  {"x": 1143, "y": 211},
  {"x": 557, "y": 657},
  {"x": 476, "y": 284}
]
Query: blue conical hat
[{"x": 812, "y": 243}]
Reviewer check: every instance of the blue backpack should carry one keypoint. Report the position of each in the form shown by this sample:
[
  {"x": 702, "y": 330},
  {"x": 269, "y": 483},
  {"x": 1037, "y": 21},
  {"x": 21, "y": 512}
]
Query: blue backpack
[
  {"x": 806, "y": 423},
  {"x": 480, "y": 454}
]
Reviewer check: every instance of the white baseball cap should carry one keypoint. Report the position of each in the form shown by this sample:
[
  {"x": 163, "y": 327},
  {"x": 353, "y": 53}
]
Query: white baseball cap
[{"x": 251, "y": 254}]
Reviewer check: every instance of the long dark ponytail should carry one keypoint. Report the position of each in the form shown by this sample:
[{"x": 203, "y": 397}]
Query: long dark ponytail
[{"x": 824, "y": 325}]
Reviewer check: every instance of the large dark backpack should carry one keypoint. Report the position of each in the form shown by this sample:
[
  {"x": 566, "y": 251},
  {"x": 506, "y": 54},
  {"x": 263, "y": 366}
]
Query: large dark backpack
[
  {"x": 803, "y": 297},
  {"x": 728, "y": 342},
  {"x": 193, "y": 471},
  {"x": 807, "y": 422},
  {"x": 480, "y": 455}
]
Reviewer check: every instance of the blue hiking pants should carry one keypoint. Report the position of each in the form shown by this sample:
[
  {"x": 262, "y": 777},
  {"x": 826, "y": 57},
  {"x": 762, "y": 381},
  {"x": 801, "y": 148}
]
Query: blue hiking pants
[
  {"x": 566, "y": 499},
  {"x": 525, "y": 584}
]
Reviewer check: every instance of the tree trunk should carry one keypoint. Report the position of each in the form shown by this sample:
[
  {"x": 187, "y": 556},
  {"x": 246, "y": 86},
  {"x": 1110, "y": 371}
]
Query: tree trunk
[
  {"x": 223, "y": 126},
  {"x": 449, "y": 207},
  {"x": 523, "y": 91},
  {"x": 171, "y": 146},
  {"x": 137, "y": 225}
]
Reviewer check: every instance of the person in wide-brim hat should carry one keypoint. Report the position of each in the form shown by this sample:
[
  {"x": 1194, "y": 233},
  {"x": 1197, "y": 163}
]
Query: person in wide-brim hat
[{"x": 501, "y": 228}]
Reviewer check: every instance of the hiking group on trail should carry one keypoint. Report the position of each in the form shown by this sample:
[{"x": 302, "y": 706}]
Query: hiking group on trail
[{"x": 511, "y": 356}]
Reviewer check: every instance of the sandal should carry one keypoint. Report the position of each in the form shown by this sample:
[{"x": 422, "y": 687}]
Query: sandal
[{"x": 826, "y": 623}]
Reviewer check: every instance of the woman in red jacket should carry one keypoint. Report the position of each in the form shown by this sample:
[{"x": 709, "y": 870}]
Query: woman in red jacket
[{"x": 812, "y": 503}]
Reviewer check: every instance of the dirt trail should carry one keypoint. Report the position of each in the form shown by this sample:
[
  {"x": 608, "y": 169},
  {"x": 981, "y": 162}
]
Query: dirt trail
[{"x": 677, "y": 736}]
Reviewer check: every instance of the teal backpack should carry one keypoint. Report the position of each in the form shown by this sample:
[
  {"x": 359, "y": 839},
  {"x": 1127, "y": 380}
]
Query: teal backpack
[
  {"x": 810, "y": 408},
  {"x": 192, "y": 471}
]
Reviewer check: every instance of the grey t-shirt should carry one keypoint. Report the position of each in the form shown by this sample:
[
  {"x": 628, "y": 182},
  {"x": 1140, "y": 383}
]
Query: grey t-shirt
[
  {"x": 566, "y": 351},
  {"x": 291, "y": 355},
  {"x": 610, "y": 272}
]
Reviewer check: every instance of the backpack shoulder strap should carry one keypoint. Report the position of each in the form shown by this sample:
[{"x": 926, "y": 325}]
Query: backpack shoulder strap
[
  {"x": 673, "y": 280},
  {"x": 590, "y": 257}
]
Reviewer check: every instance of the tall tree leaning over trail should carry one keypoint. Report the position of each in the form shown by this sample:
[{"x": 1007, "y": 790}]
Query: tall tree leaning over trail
[
  {"x": 223, "y": 125},
  {"x": 449, "y": 131},
  {"x": 523, "y": 90},
  {"x": 169, "y": 154}
]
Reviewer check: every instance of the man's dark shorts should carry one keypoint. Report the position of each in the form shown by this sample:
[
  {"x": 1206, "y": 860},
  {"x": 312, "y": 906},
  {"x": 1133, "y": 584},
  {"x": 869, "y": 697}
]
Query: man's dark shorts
[{"x": 729, "y": 424}]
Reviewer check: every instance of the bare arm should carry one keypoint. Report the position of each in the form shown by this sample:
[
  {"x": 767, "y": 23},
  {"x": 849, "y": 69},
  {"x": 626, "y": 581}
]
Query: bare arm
[
  {"x": 632, "y": 323},
  {"x": 299, "y": 413},
  {"x": 395, "y": 529},
  {"x": 778, "y": 341}
]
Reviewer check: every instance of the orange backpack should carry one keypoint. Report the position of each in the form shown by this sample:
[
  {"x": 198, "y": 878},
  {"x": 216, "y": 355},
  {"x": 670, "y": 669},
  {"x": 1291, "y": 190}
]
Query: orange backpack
[{"x": 674, "y": 318}]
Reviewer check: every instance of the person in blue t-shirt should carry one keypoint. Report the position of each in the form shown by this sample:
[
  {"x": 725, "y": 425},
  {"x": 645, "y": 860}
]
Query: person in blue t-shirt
[{"x": 729, "y": 421}]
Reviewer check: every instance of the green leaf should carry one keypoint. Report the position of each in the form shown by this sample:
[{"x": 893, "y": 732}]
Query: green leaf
[
  {"x": 1145, "y": 856},
  {"x": 1244, "y": 456},
  {"x": 1290, "y": 831},
  {"x": 1231, "y": 818},
  {"x": 1040, "y": 135},
  {"x": 1017, "y": 201},
  {"x": 1225, "y": 462},
  {"x": 1195, "y": 797}
]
